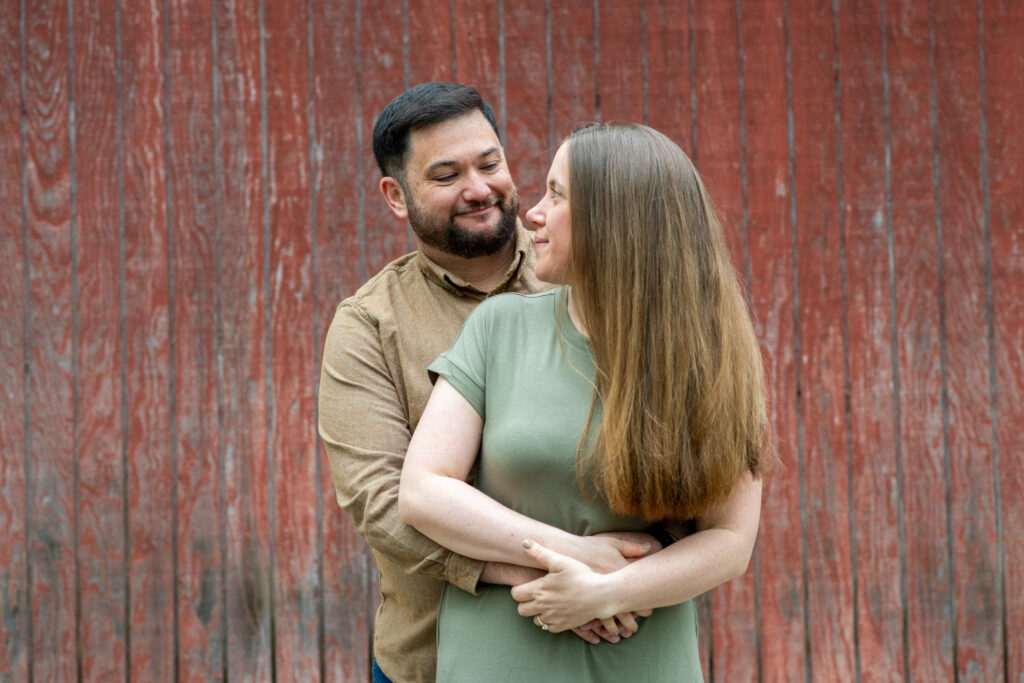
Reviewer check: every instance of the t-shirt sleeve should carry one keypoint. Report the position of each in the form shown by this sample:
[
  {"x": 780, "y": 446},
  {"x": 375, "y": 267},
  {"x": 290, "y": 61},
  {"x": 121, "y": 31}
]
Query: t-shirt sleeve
[{"x": 464, "y": 365}]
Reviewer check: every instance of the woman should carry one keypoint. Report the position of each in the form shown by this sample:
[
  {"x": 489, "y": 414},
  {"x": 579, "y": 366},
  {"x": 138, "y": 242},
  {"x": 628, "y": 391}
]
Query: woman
[{"x": 632, "y": 395}]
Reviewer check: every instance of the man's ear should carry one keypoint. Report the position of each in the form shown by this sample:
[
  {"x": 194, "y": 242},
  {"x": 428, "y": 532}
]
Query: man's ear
[{"x": 394, "y": 195}]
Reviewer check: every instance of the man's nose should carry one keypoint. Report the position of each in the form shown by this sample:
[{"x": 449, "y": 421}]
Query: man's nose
[{"x": 476, "y": 188}]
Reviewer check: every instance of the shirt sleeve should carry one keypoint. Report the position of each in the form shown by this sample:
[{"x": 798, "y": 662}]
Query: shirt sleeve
[{"x": 366, "y": 434}]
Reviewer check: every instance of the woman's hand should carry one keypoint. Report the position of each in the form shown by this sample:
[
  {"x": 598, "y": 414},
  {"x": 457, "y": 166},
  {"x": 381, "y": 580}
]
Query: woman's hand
[{"x": 569, "y": 596}]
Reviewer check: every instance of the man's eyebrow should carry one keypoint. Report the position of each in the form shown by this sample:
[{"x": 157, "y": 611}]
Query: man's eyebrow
[{"x": 444, "y": 163}]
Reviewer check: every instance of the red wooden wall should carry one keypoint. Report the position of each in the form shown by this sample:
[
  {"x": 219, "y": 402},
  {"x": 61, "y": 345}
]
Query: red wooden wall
[{"x": 186, "y": 192}]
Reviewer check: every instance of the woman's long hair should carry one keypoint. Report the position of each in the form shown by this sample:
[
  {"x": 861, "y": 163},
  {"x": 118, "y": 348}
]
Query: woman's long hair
[{"x": 679, "y": 373}]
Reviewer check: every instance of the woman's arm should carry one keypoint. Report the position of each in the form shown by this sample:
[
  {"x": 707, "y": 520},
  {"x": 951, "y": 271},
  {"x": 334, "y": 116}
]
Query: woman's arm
[
  {"x": 435, "y": 498},
  {"x": 571, "y": 594}
]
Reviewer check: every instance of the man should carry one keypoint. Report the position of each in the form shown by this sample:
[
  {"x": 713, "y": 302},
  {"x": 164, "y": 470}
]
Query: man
[{"x": 444, "y": 171}]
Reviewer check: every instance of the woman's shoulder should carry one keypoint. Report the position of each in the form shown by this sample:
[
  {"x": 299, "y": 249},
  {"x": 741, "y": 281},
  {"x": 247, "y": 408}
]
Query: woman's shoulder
[{"x": 518, "y": 301}]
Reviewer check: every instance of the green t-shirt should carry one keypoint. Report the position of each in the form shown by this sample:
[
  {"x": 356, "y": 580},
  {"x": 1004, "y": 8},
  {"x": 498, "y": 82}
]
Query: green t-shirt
[{"x": 528, "y": 371}]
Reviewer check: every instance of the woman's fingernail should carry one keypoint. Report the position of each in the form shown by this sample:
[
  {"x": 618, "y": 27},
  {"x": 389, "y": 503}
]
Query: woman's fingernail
[{"x": 527, "y": 544}]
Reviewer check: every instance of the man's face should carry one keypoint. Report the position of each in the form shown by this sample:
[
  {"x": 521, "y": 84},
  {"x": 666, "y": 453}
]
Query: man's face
[{"x": 458, "y": 194}]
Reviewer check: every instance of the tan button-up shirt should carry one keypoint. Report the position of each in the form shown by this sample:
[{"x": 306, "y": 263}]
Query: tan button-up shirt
[{"x": 373, "y": 389}]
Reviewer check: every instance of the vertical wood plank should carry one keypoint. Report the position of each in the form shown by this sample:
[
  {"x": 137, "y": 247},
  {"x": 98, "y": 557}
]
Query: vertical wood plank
[
  {"x": 194, "y": 274},
  {"x": 381, "y": 79},
  {"x": 927, "y": 570},
  {"x": 294, "y": 483},
  {"x": 51, "y": 448},
  {"x": 780, "y": 555},
  {"x": 669, "y": 70},
  {"x": 1004, "y": 89},
  {"x": 243, "y": 347},
  {"x": 717, "y": 149},
  {"x": 822, "y": 380},
  {"x": 347, "y": 596},
  {"x": 428, "y": 25},
  {"x": 14, "y": 587},
  {"x": 526, "y": 99},
  {"x": 619, "y": 50},
  {"x": 102, "y": 543},
  {"x": 979, "y": 654},
  {"x": 476, "y": 47},
  {"x": 151, "y": 562},
  {"x": 573, "y": 85},
  {"x": 874, "y": 450}
]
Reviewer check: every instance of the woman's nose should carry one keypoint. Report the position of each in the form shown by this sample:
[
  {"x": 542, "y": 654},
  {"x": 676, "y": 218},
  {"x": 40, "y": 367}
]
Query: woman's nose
[{"x": 535, "y": 216}]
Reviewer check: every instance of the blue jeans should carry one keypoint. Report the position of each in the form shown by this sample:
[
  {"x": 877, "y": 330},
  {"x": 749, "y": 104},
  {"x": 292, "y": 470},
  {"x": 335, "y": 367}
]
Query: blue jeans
[{"x": 378, "y": 675}]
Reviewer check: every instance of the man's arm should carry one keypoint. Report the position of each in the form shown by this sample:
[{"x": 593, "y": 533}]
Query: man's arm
[{"x": 366, "y": 433}]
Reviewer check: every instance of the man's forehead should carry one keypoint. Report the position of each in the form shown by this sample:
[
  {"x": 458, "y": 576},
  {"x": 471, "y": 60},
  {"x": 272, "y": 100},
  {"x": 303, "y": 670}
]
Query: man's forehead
[{"x": 460, "y": 140}]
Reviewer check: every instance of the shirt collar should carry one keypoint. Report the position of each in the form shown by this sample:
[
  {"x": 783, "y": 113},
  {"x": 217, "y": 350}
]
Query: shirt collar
[{"x": 456, "y": 285}]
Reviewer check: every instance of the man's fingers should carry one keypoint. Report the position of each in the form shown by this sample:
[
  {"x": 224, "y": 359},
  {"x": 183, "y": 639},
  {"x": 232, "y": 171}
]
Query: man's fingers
[
  {"x": 524, "y": 592},
  {"x": 631, "y": 549},
  {"x": 627, "y": 624},
  {"x": 587, "y": 634}
]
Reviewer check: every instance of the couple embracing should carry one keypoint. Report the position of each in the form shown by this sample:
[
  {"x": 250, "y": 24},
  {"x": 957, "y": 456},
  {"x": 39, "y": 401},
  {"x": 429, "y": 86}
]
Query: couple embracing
[{"x": 546, "y": 478}]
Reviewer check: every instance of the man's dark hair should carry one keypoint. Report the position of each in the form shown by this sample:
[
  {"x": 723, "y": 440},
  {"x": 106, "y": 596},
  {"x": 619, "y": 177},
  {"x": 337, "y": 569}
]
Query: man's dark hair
[{"x": 422, "y": 105}]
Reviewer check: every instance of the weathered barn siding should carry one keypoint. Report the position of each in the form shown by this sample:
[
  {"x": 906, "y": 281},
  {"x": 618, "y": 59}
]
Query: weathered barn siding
[{"x": 187, "y": 191}]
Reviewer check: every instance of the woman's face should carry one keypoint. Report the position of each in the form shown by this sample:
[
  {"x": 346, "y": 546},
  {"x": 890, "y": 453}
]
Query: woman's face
[{"x": 549, "y": 219}]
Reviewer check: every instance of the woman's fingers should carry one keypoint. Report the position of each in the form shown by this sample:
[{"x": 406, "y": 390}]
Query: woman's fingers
[{"x": 547, "y": 558}]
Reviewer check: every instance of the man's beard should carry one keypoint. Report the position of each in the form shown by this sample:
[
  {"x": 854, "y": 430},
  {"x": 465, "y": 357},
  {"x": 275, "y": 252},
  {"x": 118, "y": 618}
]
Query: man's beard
[{"x": 444, "y": 234}]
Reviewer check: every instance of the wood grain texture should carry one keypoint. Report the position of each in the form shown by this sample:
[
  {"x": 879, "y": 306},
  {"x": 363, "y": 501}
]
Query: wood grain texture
[
  {"x": 431, "y": 46},
  {"x": 926, "y": 548},
  {"x": 381, "y": 79},
  {"x": 15, "y": 643},
  {"x": 620, "y": 49},
  {"x": 573, "y": 84},
  {"x": 193, "y": 266},
  {"x": 1004, "y": 88},
  {"x": 101, "y": 542},
  {"x": 822, "y": 371},
  {"x": 346, "y": 594},
  {"x": 241, "y": 247},
  {"x": 148, "y": 384},
  {"x": 165, "y": 508},
  {"x": 476, "y": 44},
  {"x": 716, "y": 147},
  {"x": 294, "y": 480},
  {"x": 669, "y": 84},
  {"x": 527, "y": 141},
  {"x": 865, "y": 223},
  {"x": 780, "y": 555},
  {"x": 978, "y": 603},
  {"x": 51, "y": 448}
]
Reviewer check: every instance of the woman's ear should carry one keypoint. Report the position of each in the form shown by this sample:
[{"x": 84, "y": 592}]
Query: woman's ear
[{"x": 394, "y": 195}]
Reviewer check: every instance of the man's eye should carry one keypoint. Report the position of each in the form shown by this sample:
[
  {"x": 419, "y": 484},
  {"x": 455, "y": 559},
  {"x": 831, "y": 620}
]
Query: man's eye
[
  {"x": 445, "y": 178},
  {"x": 491, "y": 166}
]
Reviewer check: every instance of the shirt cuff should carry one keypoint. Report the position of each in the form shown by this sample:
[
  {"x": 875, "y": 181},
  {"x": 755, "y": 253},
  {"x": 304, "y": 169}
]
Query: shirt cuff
[{"x": 464, "y": 572}]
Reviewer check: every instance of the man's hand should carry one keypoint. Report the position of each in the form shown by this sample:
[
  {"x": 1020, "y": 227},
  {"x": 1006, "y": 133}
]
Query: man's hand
[
  {"x": 606, "y": 552},
  {"x": 594, "y": 630}
]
